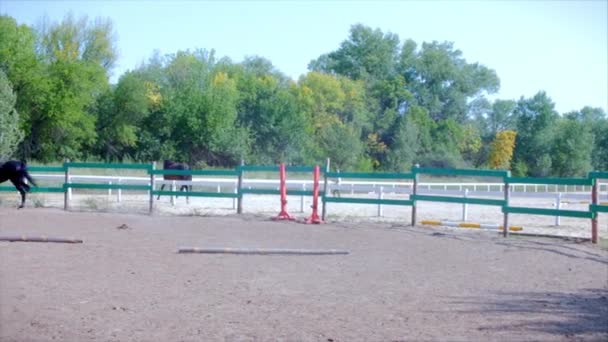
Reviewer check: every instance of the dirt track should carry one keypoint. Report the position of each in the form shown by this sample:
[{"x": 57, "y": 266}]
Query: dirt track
[{"x": 397, "y": 283}]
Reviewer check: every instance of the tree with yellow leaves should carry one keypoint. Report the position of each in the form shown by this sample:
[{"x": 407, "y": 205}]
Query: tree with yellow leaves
[{"x": 501, "y": 150}]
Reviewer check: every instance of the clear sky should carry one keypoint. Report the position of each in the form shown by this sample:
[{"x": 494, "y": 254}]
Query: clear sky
[{"x": 557, "y": 46}]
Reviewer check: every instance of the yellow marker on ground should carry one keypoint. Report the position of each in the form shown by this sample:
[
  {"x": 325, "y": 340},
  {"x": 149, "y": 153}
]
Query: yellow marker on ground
[
  {"x": 469, "y": 225},
  {"x": 431, "y": 222}
]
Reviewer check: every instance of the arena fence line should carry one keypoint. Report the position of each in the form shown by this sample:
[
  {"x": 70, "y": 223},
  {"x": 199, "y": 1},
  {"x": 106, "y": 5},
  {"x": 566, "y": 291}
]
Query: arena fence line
[{"x": 591, "y": 180}]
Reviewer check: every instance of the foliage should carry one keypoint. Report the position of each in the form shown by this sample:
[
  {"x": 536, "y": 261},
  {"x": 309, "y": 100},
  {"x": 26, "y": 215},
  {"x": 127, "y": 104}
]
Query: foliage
[
  {"x": 501, "y": 150},
  {"x": 571, "y": 150},
  {"x": 535, "y": 123},
  {"x": 374, "y": 103},
  {"x": 10, "y": 134}
]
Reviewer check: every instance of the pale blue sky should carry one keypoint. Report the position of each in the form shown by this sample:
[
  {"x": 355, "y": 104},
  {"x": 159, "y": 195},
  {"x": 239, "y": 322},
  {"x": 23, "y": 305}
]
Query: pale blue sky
[{"x": 557, "y": 46}]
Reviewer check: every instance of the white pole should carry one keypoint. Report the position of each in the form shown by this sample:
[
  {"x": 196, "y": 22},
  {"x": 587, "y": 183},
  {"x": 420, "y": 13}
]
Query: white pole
[
  {"x": 302, "y": 198},
  {"x": 173, "y": 188},
  {"x": 558, "y": 204},
  {"x": 69, "y": 189},
  {"x": 236, "y": 191},
  {"x": 119, "y": 191},
  {"x": 110, "y": 190},
  {"x": 465, "y": 206},
  {"x": 380, "y": 196}
]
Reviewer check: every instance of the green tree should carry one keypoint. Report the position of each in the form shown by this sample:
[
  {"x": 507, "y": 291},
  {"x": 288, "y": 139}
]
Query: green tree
[
  {"x": 268, "y": 107},
  {"x": 10, "y": 134},
  {"x": 333, "y": 108},
  {"x": 535, "y": 121},
  {"x": 367, "y": 53},
  {"x": 23, "y": 67},
  {"x": 571, "y": 149},
  {"x": 200, "y": 105},
  {"x": 442, "y": 81},
  {"x": 59, "y": 86},
  {"x": 121, "y": 112},
  {"x": 596, "y": 120},
  {"x": 404, "y": 147}
]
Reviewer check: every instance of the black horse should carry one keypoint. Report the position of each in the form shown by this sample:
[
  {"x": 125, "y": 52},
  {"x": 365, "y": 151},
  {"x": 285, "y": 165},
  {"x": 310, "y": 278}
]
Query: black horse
[
  {"x": 171, "y": 165},
  {"x": 16, "y": 172}
]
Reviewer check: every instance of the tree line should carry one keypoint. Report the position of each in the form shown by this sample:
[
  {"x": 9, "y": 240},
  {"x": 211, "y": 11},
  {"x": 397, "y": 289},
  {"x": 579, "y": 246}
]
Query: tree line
[{"x": 375, "y": 103}]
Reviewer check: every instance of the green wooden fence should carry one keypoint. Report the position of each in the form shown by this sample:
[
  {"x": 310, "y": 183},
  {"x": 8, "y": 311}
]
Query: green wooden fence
[{"x": 238, "y": 173}]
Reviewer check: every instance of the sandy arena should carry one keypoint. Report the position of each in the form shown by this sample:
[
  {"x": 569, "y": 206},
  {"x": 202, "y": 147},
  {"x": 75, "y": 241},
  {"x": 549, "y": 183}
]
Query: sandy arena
[{"x": 127, "y": 283}]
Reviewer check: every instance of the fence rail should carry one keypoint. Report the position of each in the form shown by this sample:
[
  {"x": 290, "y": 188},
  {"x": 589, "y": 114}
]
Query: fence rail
[{"x": 334, "y": 183}]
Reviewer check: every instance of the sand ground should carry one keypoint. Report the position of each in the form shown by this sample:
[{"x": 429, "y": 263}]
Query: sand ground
[{"x": 127, "y": 283}]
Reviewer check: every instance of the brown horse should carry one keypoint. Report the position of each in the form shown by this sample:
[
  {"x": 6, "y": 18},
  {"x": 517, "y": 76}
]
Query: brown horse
[
  {"x": 171, "y": 165},
  {"x": 16, "y": 172}
]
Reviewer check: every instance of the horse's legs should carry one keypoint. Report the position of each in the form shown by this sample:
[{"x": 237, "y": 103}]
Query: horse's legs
[
  {"x": 21, "y": 187},
  {"x": 161, "y": 189},
  {"x": 184, "y": 188}
]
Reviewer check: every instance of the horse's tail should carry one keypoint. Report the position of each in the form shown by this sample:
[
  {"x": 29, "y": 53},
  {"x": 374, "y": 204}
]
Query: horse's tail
[
  {"x": 27, "y": 174},
  {"x": 29, "y": 178}
]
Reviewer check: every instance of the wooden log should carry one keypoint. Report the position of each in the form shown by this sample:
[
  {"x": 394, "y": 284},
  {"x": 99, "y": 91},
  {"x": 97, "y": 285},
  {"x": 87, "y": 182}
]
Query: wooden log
[
  {"x": 24, "y": 238},
  {"x": 260, "y": 251}
]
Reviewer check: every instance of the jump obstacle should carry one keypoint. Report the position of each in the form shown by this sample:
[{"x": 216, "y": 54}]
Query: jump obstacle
[
  {"x": 283, "y": 214},
  {"x": 24, "y": 238},
  {"x": 260, "y": 251}
]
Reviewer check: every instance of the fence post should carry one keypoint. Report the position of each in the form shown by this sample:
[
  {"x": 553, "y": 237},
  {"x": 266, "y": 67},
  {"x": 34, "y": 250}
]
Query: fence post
[
  {"x": 414, "y": 192},
  {"x": 506, "y": 214},
  {"x": 239, "y": 208},
  {"x": 323, "y": 211},
  {"x": 465, "y": 206},
  {"x": 66, "y": 193},
  {"x": 152, "y": 186},
  {"x": 594, "y": 201}
]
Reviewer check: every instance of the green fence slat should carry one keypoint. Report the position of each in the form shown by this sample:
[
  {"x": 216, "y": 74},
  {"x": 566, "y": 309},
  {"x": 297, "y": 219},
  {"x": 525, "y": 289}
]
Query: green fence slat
[
  {"x": 367, "y": 201},
  {"x": 196, "y": 194},
  {"x": 598, "y": 174},
  {"x": 260, "y": 191},
  {"x": 546, "y": 180},
  {"x": 302, "y": 192},
  {"x": 33, "y": 189},
  {"x": 598, "y": 208},
  {"x": 109, "y": 166},
  {"x": 460, "y": 172},
  {"x": 106, "y": 186},
  {"x": 370, "y": 175},
  {"x": 47, "y": 189},
  {"x": 548, "y": 212},
  {"x": 196, "y": 172},
  {"x": 449, "y": 199},
  {"x": 299, "y": 168},
  {"x": 46, "y": 169},
  {"x": 258, "y": 168}
]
